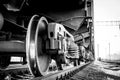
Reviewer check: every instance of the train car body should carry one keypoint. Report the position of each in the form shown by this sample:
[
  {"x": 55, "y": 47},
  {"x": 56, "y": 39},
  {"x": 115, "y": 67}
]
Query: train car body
[{"x": 45, "y": 30}]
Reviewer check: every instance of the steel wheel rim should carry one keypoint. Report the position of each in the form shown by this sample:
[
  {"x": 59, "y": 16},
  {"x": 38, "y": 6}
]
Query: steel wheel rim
[
  {"x": 34, "y": 57},
  {"x": 30, "y": 42},
  {"x": 43, "y": 60}
]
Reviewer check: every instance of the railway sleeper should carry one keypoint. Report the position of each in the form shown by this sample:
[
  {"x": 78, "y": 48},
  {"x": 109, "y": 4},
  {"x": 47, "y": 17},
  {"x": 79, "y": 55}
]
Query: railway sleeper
[
  {"x": 64, "y": 74},
  {"x": 24, "y": 74}
]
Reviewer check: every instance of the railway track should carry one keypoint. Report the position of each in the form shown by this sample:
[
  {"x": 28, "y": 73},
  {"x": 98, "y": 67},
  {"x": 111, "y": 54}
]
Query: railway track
[
  {"x": 15, "y": 72},
  {"x": 20, "y": 72}
]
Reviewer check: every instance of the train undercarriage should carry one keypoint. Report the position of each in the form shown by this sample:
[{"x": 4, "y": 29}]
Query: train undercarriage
[{"x": 44, "y": 34}]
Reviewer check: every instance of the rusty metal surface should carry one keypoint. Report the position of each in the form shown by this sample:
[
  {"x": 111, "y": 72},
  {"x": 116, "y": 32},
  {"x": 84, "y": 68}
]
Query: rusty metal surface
[
  {"x": 82, "y": 29},
  {"x": 72, "y": 19},
  {"x": 69, "y": 13},
  {"x": 85, "y": 35}
]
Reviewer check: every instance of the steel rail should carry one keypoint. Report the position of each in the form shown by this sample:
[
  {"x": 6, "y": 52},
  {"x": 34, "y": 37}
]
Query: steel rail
[
  {"x": 21, "y": 72},
  {"x": 63, "y": 74},
  {"x": 12, "y": 71}
]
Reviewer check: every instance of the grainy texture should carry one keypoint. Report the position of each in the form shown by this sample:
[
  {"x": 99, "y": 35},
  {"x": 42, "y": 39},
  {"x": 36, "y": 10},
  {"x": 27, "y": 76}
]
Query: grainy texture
[{"x": 94, "y": 71}]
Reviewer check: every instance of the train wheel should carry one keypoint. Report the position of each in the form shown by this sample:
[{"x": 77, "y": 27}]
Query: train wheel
[
  {"x": 38, "y": 60},
  {"x": 4, "y": 61},
  {"x": 76, "y": 63},
  {"x": 60, "y": 66}
]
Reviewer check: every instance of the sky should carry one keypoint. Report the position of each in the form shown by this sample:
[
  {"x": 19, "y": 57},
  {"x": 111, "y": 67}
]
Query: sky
[
  {"x": 107, "y": 37},
  {"x": 106, "y": 10}
]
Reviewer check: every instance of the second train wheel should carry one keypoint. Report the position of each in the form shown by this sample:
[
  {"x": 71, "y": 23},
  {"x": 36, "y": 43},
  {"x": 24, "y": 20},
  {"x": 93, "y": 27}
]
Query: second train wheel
[
  {"x": 75, "y": 62},
  {"x": 60, "y": 66},
  {"x": 38, "y": 60}
]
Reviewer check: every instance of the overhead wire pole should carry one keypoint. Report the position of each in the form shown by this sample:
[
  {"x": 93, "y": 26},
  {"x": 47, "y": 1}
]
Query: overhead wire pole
[
  {"x": 109, "y": 52},
  {"x": 98, "y": 51}
]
